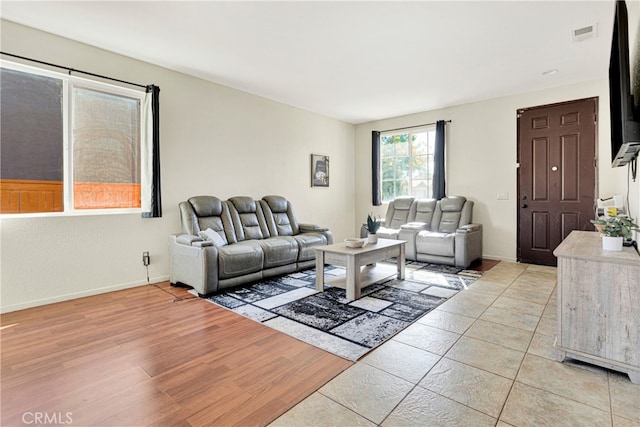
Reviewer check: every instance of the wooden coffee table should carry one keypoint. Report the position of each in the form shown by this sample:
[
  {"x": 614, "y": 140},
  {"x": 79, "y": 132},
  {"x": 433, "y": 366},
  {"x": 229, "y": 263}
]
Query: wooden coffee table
[{"x": 354, "y": 259}]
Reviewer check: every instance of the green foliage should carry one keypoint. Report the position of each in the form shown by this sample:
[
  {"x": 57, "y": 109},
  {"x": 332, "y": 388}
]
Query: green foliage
[
  {"x": 406, "y": 163},
  {"x": 373, "y": 224},
  {"x": 615, "y": 226}
]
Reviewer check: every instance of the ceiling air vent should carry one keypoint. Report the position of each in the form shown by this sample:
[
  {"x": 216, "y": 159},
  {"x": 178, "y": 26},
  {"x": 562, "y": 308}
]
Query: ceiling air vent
[{"x": 584, "y": 33}]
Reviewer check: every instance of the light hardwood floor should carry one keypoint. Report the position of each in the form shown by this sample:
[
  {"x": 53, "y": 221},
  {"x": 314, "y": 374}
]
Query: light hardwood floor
[{"x": 152, "y": 355}]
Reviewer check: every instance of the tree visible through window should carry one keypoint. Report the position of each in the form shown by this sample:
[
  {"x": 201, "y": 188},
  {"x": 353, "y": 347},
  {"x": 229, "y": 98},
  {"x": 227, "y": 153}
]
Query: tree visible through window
[
  {"x": 407, "y": 163},
  {"x": 102, "y": 128}
]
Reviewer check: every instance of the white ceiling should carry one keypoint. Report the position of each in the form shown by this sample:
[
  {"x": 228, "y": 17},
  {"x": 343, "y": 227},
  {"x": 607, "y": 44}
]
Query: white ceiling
[{"x": 354, "y": 61}]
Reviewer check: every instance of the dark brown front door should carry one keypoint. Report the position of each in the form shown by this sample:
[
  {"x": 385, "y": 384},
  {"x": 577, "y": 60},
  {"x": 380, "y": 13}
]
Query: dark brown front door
[{"x": 556, "y": 176}]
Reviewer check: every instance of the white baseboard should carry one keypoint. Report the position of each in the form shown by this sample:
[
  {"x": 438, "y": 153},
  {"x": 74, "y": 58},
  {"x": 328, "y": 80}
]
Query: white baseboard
[
  {"x": 499, "y": 258},
  {"x": 76, "y": 295}
]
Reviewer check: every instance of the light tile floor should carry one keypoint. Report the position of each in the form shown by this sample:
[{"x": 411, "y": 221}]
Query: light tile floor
[{"x": 483, "y": 358}]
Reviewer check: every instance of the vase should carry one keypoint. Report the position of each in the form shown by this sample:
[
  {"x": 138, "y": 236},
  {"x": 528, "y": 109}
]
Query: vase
[
  {"x": 612, "y": 243},
  {"x": 372, "y": 239}
]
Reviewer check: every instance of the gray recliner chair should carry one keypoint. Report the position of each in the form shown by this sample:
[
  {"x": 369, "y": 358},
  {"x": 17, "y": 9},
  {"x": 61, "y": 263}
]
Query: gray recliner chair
[
  {"x": 437, "y": 231},
  {"x": 443, "y": 232}
]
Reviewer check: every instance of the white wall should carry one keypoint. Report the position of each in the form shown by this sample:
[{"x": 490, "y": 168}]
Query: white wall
[
  {"x": 214, "y": 140},
  {"x": 481, "y": 157}
]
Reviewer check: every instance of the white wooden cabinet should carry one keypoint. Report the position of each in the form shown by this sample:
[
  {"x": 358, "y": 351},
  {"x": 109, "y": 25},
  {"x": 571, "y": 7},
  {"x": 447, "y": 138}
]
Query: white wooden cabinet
[{"x": 599, "y": 304}]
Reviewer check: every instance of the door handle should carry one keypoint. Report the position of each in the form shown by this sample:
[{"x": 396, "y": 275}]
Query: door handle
[{"x": 524, "y": 205}]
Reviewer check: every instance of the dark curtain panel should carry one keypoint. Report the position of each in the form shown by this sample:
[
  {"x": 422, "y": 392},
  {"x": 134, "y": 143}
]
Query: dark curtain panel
[
  {"x": 375, "y": 168},
  {"x": 439, "y": 186},
  {"x": 156, "y": 199}
]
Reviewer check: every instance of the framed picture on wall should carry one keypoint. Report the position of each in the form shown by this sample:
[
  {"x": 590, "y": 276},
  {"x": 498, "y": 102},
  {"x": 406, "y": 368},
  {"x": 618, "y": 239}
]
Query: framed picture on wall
[{"x": 319, "y": 170}]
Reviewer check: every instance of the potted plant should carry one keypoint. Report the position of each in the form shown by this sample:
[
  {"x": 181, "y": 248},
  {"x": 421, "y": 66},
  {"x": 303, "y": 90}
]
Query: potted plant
[
  {"x": 614, "y": 229},
  {"x": 373, "y": 224}
]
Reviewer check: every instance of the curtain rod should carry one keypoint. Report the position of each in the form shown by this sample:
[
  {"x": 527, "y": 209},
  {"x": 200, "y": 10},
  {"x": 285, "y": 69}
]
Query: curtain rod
[
  {"x": 72, "y": 69},
  {"x": 416, "y": 126}
]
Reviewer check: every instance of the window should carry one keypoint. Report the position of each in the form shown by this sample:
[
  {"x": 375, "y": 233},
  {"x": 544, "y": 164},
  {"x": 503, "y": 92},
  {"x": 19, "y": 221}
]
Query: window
[
  {"x": 406, "y": 161},
  {"x": 68, "y": 144}
]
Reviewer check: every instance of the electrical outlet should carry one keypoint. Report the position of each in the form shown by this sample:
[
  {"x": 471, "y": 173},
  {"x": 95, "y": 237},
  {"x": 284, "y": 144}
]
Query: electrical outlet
[{"x": 146, "y": 260}]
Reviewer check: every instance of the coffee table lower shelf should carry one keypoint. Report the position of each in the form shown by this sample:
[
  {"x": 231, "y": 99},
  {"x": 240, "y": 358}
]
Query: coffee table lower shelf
[
  {"x": 369, "y": 275},
  {"x": 361, "y": 265}
]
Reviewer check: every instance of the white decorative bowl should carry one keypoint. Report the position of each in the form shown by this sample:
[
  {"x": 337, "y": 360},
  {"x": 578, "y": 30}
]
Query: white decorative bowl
[{"x": 354, "y": 243}]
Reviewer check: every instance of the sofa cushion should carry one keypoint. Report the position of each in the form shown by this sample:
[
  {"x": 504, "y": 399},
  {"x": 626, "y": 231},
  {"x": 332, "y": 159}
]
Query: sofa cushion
[
  {"x": 279, "y": 216},
  {"x": 433, "y": 243},
  {"x": 279, "y": 219},
  {"x": 279, "y": 251},
  {"x": 206, "y": 205},
  {"x": 276, "y": 203},
  {"x": 213, "y": 222},
  {"x": 451, "y": 212},
  {"x": 306, "y": 244},
  {"x": 239, "y": 259},
  {"x": 251, "y": 226},
  {"x": 248, "y": 219},
  {"x": 452, "y": 203},
  {"x": 449, "y": 222},
  {"x": 424, "y": 209},
  {"x": 202, "y": 212},
  {"x": 398, "y": 212},
  {"x": 218, "y": 239},
  {"x": 388, "y": 233}
]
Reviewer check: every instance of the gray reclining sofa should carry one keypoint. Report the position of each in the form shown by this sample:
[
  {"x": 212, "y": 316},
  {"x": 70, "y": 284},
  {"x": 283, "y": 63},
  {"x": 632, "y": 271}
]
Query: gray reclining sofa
[
  {"x": 436, "y": 231},
  {"x": 240, "y": 240}
]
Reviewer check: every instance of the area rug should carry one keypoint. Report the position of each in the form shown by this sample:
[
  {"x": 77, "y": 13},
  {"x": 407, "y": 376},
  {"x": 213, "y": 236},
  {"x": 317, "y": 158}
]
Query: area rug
[{"x": 291, "y": 304}]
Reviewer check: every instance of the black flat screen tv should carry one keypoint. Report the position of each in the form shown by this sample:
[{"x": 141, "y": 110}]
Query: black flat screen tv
[{"x": 625, "y": 127}]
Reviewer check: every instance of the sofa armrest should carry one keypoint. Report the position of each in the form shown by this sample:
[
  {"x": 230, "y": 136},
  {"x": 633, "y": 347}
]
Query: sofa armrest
[
  {"x": 308, "y": 228},
  {"x": 469, "y": 228},
  {"x": 313, "y": 228},
  {"x": 408, "y": 233},
  {"x": 188, "y": 239},
  {"x": 468, "y": 244},
  {"x": 193, "y": 264},
  {"x": 202, "y": 244},
  {"x": 193, "y": 240}
]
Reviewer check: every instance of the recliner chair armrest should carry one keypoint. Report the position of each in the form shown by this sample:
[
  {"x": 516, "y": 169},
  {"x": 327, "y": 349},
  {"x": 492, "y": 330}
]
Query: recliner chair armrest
[
  {"x": 192, "y": 265},
  {"x": 408, "y": 233},
  {"x": 188, "y": 239},
  {"x": 469, "y": 228},
  {"x": 468, "y": 244},
  {"x": 307, "y": 228},
  {"x": 202, "y": 244},
  {"x": 313, "y": 228},
  {"x": 193, "y": 240}
]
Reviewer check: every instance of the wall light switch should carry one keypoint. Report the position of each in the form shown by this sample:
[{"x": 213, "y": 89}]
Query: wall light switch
[{"x": 503, "y": 196}]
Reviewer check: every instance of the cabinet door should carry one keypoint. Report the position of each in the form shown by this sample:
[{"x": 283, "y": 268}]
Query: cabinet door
[{"x": 598, "y": 304}]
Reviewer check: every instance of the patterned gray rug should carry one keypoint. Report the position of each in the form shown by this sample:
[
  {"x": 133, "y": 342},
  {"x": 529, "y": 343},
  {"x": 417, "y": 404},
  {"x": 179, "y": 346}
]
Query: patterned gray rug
[{"x": 291, "y": 304}]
